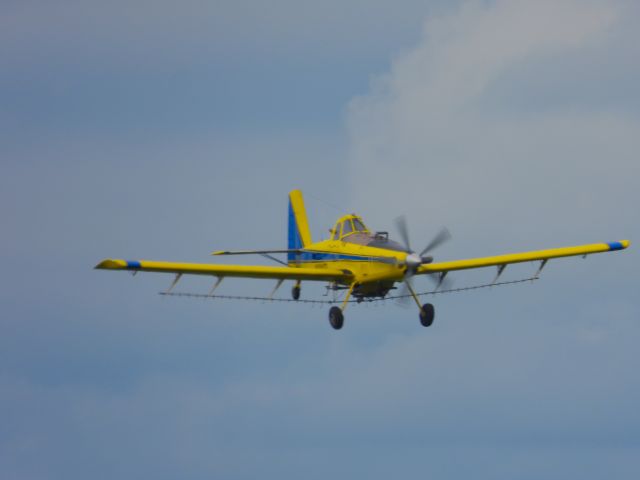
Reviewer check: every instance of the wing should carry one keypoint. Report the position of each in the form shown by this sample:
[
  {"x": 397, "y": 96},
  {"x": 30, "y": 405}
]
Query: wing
[
  {"x": 543, "y": 255},
  {"x": 247, "y": 271}
]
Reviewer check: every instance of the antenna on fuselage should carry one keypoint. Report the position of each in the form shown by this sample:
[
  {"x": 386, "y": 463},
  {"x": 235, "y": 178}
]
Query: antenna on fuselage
[{"x": 323, "y": 230}]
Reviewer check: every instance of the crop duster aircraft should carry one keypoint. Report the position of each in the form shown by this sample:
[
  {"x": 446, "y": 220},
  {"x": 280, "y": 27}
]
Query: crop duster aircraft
[{"x": 364, "y": 264}]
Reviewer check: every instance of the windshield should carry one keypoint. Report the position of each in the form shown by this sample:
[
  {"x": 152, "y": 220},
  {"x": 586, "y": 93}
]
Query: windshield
[{"x": 346, "y": 228}]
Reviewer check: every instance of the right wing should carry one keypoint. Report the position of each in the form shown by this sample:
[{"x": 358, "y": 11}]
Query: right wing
[
  {"x": 543, "y": 255},
  {"x": 246, "y": 271}
]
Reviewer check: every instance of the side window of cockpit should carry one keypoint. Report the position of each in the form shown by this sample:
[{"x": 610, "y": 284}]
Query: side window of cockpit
[
  {"x": 335, "y": 232},
  {"x": 346, "y": 228},
  {"x": 359, "y": 226}
]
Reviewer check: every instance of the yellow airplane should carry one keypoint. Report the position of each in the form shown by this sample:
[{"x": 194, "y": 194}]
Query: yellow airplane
[{"x": 354, "y": 259}]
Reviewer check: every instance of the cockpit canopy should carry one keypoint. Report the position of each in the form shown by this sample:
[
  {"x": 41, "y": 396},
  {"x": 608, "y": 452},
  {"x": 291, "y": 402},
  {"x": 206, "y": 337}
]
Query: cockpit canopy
[{"x": 349, "y": 225}]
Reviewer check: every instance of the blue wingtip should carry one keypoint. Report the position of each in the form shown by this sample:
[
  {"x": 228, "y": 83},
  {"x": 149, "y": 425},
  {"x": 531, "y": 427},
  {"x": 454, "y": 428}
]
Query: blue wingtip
[{"x": 616, "y": 246}]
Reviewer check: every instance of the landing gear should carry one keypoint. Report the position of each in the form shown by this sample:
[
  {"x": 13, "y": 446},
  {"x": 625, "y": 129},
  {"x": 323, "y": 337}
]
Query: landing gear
[
  {"x": 427, "y": 314},
  {"x": 336, "y": 318},
  {"x": 295, "y": 291}
]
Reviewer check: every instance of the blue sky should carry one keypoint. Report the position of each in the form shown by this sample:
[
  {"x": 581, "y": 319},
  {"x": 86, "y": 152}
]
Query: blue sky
[{"x": 163, "y": 130}]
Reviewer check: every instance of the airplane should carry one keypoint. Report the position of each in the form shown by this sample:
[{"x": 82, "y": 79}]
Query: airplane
[{"x": 364, "y": 264}]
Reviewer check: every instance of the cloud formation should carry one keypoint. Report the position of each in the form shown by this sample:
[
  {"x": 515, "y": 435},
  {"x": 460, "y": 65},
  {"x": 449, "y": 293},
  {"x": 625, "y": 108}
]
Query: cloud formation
[
  {"x": 437, "y": 131},
  {"x": 512, "y": 122}
]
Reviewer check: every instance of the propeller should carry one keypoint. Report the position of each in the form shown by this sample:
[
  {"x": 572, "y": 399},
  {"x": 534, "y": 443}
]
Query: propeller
[
  {"x": 413, "y": 260},
  {"x": 442, "y": 237},
  {"x": 403, "y": 230}
]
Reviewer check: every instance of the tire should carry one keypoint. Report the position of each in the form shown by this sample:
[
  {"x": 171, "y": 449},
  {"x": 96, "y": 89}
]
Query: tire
[
  {"x": 336, "y": 318},
  {"x": 295, "y": 293},
  {"x": 427, "y": 314}
]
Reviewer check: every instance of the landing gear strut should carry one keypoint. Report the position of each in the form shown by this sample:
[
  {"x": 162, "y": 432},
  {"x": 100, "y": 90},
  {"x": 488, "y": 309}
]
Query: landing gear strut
[{"x": 427, "y": 314}]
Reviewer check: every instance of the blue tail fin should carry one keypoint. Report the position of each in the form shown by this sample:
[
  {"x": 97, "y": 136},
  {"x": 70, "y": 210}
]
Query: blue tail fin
[{"x": 299, "y": 235}]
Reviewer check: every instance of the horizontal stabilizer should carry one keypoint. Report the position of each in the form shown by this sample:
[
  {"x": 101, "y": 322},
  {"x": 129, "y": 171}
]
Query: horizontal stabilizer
[{"x": 256, "y": 252}]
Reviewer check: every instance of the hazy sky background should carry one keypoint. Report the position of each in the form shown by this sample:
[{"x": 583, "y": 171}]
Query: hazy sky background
[{"x": 166, "y": 130}]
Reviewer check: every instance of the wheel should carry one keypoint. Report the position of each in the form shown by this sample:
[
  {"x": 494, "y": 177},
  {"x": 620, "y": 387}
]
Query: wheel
[
  {"x": 427, "y": 314},
  {"x": 336, "y": 318},
  {"x": 295, "y": 292}
]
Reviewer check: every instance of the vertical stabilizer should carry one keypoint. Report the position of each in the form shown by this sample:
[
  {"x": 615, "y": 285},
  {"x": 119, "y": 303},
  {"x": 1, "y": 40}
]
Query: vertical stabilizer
[{"x": 299, "y": 234}]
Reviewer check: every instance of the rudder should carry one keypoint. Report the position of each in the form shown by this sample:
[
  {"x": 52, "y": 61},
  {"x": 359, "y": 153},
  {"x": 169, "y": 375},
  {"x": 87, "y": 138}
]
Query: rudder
[{"x": 299, "y": 235}]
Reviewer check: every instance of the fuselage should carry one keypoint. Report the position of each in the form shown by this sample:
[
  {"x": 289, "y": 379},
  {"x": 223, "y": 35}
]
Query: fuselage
[{"x": 375, "y": 261}]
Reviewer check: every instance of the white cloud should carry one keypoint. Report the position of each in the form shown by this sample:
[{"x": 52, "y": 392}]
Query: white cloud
[
  {"x": 430, "y": 133},
  {"x": 433, "y": 139}
]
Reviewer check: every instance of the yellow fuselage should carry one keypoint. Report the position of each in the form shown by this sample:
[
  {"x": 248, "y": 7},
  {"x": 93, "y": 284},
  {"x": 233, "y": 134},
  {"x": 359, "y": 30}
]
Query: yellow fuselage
[{"x": 367, "y": 264}]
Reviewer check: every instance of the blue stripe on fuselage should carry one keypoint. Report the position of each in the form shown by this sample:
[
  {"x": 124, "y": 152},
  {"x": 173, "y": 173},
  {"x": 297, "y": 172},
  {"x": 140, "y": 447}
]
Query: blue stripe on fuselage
[{"x": 307, "y": 256}]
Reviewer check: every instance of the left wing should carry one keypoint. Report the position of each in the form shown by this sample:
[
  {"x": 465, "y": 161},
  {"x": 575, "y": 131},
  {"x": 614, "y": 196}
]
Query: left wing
[
  {"x": 247, "y": 271},
  {"x": 501, "y": 260}
]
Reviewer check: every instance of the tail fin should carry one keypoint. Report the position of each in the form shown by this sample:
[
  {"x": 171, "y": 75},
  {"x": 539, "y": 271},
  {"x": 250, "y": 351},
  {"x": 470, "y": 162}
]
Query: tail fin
[{"x": 299, "y": 234}]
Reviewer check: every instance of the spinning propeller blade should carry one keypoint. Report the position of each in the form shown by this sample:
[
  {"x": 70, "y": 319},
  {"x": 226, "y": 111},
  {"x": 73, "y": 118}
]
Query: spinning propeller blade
[
  {"x": 442, "y": 237},
  {"x": 403, "y": 294},
  {"x": 403, "y": 230},
  {"x": 413, "y": 262},
  {"x": 441, "y": 282}
]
